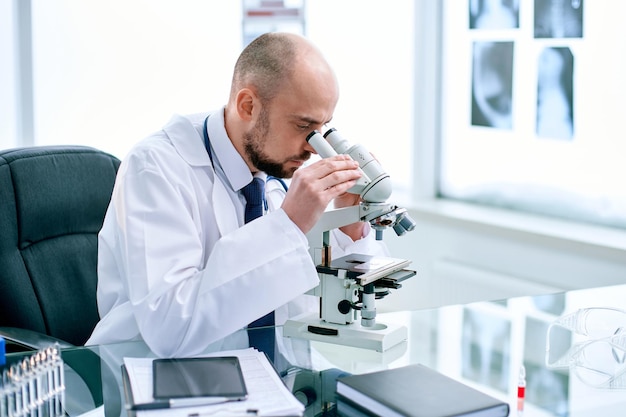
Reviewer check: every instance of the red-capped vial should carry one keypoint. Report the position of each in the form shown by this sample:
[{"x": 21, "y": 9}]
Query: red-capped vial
[{"x": 521, "y": 390}]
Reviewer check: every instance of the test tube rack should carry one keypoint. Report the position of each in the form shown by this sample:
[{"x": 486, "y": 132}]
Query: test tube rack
[{"x": 34, "y": 386}]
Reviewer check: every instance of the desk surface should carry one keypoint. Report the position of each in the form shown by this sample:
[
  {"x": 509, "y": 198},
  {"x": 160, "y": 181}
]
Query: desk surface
[{"x": 482, "y": 344}]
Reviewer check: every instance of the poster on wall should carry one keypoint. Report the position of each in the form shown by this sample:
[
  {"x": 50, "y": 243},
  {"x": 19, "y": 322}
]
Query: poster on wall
[{"x": 263, "y": 16}]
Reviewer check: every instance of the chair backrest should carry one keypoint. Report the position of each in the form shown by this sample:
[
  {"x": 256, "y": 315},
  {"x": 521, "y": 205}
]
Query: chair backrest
[{"x": 52, "y": 205}]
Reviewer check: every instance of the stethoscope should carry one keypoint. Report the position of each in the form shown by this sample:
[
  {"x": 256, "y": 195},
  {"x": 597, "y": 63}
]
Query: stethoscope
[{"x": 207, "y": 145}]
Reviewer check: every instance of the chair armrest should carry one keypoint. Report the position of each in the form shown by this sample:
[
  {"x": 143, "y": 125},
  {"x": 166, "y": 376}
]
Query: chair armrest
[{"x": 29, "y": 339}]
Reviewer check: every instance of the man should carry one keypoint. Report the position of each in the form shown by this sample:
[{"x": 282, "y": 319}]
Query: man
[{"x": 178, "y": 267}]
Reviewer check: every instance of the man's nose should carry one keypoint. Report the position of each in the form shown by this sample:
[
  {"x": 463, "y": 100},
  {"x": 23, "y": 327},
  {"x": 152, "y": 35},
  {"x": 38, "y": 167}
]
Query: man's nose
[{"x": 309, "y": 148}]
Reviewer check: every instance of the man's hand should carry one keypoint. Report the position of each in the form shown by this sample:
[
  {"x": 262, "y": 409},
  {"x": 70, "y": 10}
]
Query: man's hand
[{"x": 314, "y": 187}]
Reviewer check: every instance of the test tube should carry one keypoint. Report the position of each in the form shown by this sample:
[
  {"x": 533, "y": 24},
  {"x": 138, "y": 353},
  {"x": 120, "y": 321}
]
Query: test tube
[
  {"x": 26, "y": 386},
  {"x": 521, "y": 390},
  {"x": 59, "y": 394},
  {"x": 3, "y": 397},
  {"x": 16, "y": 381},
  {"x": 39, "y": 377}
]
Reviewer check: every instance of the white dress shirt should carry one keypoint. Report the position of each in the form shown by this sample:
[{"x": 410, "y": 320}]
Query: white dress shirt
[{"x": 177, "y": 266}]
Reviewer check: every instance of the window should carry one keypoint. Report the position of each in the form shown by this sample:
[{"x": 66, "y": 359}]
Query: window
[{"x": 532, "y": 107}]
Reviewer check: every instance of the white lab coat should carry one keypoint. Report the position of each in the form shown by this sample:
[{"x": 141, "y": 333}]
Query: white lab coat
[{"x": 177, "y": 266}]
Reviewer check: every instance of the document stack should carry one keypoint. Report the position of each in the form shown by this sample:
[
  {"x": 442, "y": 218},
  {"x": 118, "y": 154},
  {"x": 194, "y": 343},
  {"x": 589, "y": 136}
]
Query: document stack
[
  {"x": 267, "y": 394},
  {"x": 34, "y": 386}
]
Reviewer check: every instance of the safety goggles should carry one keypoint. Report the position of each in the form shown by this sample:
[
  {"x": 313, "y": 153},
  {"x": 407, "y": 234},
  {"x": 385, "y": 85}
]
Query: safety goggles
[{"x": 596, "y": 352}]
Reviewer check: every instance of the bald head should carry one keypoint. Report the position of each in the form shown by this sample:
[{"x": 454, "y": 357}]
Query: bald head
[
  {"x": 271, "y": 60},
  {"x": 282, "y": 89}
]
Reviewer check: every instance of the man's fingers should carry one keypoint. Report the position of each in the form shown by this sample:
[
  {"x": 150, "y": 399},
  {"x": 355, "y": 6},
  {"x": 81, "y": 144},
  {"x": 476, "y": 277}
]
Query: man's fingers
[
  {"x": 340, "y": 189},
  {"x": 314, "y": 187},
  {"x": 333, "y": 172}
]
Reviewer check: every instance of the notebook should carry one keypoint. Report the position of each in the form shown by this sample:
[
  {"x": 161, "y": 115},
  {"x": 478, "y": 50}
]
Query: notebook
[{"x": 413, "y": 391}]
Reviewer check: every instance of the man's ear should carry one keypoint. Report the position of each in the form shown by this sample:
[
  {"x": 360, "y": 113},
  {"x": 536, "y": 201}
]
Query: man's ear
[{"x": 246, "y": 103}]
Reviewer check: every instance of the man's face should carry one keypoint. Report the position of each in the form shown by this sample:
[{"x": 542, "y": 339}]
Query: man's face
[
  {"x": 256, "y": 147},
  {"x": 276, "y": 143}
]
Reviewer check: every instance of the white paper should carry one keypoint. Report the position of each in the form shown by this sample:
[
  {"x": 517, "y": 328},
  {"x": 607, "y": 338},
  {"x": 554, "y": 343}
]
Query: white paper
[{"x": 266, "y": 392}]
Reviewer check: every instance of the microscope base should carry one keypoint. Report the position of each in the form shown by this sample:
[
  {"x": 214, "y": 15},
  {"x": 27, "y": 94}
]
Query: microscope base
[{"x": 380, "y": 337}]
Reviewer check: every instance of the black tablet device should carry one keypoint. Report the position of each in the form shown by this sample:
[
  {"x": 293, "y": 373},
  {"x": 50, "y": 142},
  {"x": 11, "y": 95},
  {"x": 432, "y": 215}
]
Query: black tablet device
[{"x": 199, "y": 377}]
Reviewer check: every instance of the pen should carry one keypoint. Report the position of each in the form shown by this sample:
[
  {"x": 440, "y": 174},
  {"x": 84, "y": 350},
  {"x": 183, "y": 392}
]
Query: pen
[
  {"x": 247, "y": 412},
  {"x": 240, "y": 413},
  {"x": 177, "y": 402}
]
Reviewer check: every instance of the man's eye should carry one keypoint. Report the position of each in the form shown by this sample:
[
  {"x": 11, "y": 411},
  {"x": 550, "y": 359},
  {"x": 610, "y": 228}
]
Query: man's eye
[{"x": 304, "y": 127}]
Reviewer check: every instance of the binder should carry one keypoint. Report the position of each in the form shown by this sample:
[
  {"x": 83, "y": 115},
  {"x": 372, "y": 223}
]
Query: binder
[{"x": 413, "y": 391}]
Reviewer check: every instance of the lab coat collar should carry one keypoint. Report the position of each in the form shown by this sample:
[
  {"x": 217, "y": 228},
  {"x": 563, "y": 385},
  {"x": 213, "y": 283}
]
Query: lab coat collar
[
  {"x": 187, "y": 140},
  {"x": 230, "y": 161},
  {"x": 183, "y": 133}
]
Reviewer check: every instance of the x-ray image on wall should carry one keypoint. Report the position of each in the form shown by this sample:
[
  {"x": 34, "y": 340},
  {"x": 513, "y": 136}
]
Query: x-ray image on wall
[
  {"x": 555, "y": 106},
  {"x": 558, "y": 18},
  {"x": 493, "y": 14},
  {"x": 492, "y": 84}
]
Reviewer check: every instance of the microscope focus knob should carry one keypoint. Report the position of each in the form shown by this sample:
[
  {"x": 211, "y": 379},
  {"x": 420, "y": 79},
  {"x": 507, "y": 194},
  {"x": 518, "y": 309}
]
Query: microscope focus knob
[{"x": 344, "y": 306}]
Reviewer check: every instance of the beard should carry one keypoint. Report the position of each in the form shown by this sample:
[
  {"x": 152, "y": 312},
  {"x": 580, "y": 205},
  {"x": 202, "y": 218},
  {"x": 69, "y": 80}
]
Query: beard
[{"x": 254, "y": 142}]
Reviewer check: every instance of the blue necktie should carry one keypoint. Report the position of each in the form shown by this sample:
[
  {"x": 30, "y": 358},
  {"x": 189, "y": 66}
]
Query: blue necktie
[
  {"x": 261, "y": 339},
  {"x": 254, "y": 194}
]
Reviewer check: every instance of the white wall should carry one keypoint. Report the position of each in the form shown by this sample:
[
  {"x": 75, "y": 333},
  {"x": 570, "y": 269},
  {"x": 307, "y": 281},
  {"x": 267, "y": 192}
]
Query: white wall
[{"x": 108, "y": 73}]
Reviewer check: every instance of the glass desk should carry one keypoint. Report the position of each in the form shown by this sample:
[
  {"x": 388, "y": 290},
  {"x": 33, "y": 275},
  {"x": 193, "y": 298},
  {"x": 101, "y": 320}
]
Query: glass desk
[{"x": 482, "y": 344}]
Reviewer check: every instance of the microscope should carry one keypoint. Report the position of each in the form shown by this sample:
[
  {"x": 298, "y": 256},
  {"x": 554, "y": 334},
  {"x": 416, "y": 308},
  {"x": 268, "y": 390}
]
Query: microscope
[{"x": 350, "y": 285}]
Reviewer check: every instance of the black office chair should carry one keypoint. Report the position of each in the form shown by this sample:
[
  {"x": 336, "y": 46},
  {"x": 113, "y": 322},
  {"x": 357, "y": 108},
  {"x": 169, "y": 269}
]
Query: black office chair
[{"x": 52, "y": 205}]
